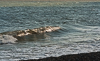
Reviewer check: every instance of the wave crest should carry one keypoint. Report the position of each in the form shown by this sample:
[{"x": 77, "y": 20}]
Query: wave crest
[{"x": 28, "y": 34}]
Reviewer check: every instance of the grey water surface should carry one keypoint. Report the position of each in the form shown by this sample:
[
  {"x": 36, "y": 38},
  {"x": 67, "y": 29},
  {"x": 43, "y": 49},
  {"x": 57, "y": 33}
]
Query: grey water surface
[{"x": 80, "y": 31}]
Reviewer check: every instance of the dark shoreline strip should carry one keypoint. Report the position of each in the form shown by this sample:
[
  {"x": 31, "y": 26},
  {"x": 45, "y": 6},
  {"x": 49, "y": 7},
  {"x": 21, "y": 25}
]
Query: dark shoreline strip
[{"x": 93, "y": 56}]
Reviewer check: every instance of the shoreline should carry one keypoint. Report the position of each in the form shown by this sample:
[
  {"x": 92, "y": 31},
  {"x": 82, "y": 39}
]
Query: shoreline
[
  {"x": 40, "y": 3},
  {"x": 93, "y": 56}
]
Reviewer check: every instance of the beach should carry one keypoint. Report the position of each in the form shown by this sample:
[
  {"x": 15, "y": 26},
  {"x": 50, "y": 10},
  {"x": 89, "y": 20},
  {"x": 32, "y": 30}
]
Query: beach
[{"x": 94, "y": 56}]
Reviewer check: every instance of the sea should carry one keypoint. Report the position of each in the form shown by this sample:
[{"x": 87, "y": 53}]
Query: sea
[{"x": 79, "y": 33}]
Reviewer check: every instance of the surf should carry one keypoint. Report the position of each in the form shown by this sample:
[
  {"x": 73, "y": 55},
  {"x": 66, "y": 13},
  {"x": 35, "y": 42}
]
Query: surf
[{"x": 21, "y": 35}]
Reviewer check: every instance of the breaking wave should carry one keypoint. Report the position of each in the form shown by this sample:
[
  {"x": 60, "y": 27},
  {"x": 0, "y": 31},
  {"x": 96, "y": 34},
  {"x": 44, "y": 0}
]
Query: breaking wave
[{"x": 7, "y": 39}]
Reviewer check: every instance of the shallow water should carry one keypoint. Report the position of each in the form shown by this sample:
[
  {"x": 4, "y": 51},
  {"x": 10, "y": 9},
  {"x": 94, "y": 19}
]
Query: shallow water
[{"x": 80, "y": 31}]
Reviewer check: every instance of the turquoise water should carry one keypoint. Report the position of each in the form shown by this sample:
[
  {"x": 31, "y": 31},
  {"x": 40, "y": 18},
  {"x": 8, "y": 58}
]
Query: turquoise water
[{"x": 80, "y": 33}]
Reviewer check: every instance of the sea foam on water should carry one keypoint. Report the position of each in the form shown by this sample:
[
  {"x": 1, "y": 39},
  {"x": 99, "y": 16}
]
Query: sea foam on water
[{"x": 7, "y": 39}]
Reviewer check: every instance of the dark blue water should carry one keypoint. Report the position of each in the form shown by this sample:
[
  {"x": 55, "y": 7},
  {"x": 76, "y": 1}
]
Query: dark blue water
[{"x": 80, "y": 30}]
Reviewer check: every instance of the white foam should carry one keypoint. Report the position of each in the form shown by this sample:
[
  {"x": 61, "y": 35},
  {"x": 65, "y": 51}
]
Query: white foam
[{"x": 7, "y": 39}]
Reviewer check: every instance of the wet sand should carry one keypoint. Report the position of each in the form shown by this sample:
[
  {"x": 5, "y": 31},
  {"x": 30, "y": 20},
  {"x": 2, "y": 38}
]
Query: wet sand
[{"x": 94, "y": 56}]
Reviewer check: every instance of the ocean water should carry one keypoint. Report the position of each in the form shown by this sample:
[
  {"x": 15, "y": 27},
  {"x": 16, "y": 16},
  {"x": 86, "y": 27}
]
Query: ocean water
[{"x": 79, "y": 22}]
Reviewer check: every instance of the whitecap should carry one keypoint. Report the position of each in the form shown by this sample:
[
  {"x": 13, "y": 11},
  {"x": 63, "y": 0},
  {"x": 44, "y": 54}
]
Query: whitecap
[{"x": 7, "y": 39}]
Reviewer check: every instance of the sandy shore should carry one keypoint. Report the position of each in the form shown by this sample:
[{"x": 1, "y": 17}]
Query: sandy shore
[
  {"x": 10, "y": 3},
  {"x": 94, "y": 56}
]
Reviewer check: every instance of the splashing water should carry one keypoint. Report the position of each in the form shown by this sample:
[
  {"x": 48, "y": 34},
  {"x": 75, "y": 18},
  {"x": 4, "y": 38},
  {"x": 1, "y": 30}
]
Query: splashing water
[{"x": 7, "y": 39}]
